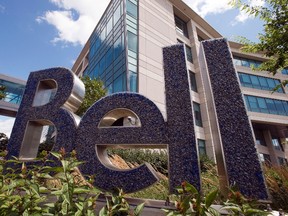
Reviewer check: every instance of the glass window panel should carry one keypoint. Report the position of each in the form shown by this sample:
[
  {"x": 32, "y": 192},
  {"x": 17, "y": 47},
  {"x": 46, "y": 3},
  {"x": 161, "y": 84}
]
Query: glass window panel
[
  {"x": 279, "y": 107},
  {"x": 117, "y": 14},
  {"x": 189, "y": 53},
  {"x": 263, "y": 83},
  {"x": 285, "y": 104},
  {"x": 96, "y": 71},
  {"x": 197, "y": 114},
  {"x": 132, "y": 68},
  {"x": 245, "y": 63},
  {"x": 131, "y": 9},
  {"x": 132, "y": 42},
  {"x": 276, "y": 144},
  {"x": 271, "y": 106},
  {"x": 103, "y": 34},
  {"x": 117, "y": 47},
  {"x": 181, "y": 26},
  {"x": 237, "y": 61},
  {"x": 253, "y": 103},
  {"x": 102, "y": 65},
  {"x": 271, "y": 83},
  {"x": 193, "y": 81},
  {"x": 118, "y": 84},
  {"x": 255, "y": 81},
  {"x": 109, "y": 57},
  {"x": 201, "y": 147},
  {"x": 133, "y": 81},
  {"x": 109, "y": 25}
]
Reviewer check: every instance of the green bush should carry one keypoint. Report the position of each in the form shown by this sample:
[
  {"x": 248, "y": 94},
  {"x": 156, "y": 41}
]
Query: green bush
[{"x": 277, "y": 183}]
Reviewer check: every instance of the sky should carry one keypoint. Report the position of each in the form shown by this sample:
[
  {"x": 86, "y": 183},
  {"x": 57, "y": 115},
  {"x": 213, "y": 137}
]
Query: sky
[{"x": 40, "y": 34}]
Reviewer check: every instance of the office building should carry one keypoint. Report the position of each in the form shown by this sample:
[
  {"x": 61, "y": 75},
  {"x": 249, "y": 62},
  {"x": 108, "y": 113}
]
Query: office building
[{"x": 125, "y": 52}]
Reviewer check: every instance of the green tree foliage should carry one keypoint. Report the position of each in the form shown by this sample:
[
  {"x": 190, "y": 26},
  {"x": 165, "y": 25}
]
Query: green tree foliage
[
  {"x": 93, "y": 91},
  {"x": 2, "y": 92},
  {"x": 274, "y": 39}
]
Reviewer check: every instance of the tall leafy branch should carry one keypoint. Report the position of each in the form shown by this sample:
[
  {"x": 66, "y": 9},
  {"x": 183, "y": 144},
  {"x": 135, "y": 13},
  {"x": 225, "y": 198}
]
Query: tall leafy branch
[{"x": 273, "y": 42}]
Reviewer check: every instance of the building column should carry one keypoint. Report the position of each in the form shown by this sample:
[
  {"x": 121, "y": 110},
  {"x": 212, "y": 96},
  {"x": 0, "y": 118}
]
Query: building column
[{"x": 271, "y": 149}]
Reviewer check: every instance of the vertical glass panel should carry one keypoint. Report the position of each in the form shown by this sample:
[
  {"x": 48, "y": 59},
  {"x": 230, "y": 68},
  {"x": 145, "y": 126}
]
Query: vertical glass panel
[
  {"x": 245, "y": 63},
  {"x": 181, "y": 26},
  {"x": 109, "y": 57},
  {"x": 197, "y": 114},
  {"x": 271, "y": 106},
  {"x": 103, "y": 34},
  {"x": 262, "y": 105},
  {"x": 96, "y": 71},
  {"x": 118, "y": 84},
  {"x": 255, "y": 81},
  {"x": 201, "y": 147},
  {"x": 133, "y": 81},
  {"x": 193, "y": 81},
  {"x": 189, "y": 53},
  {"x": 109, "y": 25},
  {"x": 102, "y": 65},
  {"x": 132, "y": 42},
  {"x": 117, "y": 14},
  {"x": 131, "y": 9},
  {"x": 237, "y": 61},
  {"x": 253, "y": 103},
  {"x": 117, "y": 47},
  {"x": 276, "y": 144},
  {"x": 263, "y": 83},
  {"x": 271, "y": 83},
  {"x": 279, "y": 107}
]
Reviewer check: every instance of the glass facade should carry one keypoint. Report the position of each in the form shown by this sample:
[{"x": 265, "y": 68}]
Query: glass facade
[
  {"x": 114, "y": 47},
  {"x": 13, "y": 91},
  {"x": 266, "y": 105},
  {"x": 197, "y": 114},
  {"x": 246, "y": 62},
  {"x": 259, "y": 82}
]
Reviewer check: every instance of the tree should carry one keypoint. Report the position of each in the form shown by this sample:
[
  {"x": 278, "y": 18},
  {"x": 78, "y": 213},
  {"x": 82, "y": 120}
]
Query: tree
[
  {"x": 93, "y": 91},
  {"x": 2, "y": 92},
  {"x": 273, "y": 42}
]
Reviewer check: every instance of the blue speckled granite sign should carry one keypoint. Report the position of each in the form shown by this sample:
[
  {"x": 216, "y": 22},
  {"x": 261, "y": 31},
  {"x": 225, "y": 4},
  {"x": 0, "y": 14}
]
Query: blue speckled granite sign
[{"x": 242, "y": 163}]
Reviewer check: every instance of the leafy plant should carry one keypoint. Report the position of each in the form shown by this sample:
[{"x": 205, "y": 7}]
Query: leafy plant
[
  {"x": 75, "y": 196},
  {"x": 277, "y": 183},
  {"x": 118, "y": 206},
  {"x": 189, "y": 201},
  {"x": 94, "y": 90},
  {"x": 239, "y": 205}
]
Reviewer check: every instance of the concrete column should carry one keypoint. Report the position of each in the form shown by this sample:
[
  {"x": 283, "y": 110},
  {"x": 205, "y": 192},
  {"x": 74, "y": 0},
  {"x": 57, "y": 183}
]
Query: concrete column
[{"x": 271, "y": 149}]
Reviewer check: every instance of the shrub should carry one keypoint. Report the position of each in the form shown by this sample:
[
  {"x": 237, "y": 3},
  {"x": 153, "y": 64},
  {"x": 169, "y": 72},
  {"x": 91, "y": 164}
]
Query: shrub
[{"x": 277, "y": 183}]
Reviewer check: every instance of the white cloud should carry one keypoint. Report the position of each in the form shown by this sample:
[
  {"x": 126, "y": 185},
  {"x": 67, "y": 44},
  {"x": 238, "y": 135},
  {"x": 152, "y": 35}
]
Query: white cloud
[
  {"x": 6, "y": 125},
  {"x": 243, "y": 16},
  {"x": 206, "y": 7},
  {"x": 74, "y": 19}
]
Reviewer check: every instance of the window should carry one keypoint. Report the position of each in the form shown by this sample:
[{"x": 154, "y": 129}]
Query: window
[
  {"x": 258, "y": 82},
  {"x": 201, "y": 147},
  {"x": 117, "y": 14},
  {"x": 193, "y": 81},
  {"x": 109, "y": 26},
  {"x": 260, "y": 140},
  {"x": 245, "y": 62},
  {"x": 189, "y": 53},
  {"x": 181, "y": 26},
  {"x": 276, "y": 144},
  {"x": 132, "y": 42},
  {"x": 266, "y": 105},
  {"x": 197, "y": 114},
  {"x": 131, "y": 9}
]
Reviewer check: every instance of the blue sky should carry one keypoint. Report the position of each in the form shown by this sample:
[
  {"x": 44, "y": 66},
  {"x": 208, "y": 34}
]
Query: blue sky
[{"x": 41, "y": 34}]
